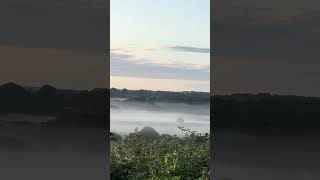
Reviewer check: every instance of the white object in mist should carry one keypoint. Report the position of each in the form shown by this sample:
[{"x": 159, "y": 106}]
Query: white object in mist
[{"x": 180, "y": 121}]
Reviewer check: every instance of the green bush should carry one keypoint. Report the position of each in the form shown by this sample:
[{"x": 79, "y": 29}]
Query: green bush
[{"x": 165, "y": 158}]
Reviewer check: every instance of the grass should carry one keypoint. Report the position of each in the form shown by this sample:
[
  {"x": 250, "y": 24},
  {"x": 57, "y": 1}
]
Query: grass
[{"x": 164, "y": 158}]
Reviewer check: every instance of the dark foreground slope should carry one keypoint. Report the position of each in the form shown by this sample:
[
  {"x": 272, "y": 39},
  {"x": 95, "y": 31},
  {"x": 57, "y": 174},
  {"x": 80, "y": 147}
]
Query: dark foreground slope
[
  {"x": 49, "y": 133},
  {"x": 266, "y": 113},
  {"x": 265, "y": 137},
  {"x": 69, "y": 107}
]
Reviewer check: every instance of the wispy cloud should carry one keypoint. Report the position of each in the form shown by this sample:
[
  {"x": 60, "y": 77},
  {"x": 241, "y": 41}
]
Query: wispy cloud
[
  {"x": 126, "y": 64},
  {"x": 190, "y": 49},
  {"x": 150, "y": 49}
]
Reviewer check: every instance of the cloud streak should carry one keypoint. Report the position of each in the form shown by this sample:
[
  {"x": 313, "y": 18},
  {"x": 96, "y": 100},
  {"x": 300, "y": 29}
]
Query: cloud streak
[
  {"x": 123, "y": 64},
  {"x": 190, "y": 49}
]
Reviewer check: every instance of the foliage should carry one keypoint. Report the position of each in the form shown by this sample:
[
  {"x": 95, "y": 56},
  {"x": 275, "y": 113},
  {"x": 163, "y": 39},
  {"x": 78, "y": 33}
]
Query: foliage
[{"x": 165, "y": 158}]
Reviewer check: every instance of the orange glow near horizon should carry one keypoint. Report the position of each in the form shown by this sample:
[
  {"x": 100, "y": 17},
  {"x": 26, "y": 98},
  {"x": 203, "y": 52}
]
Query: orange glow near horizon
[{"x": 158, "y": 84}]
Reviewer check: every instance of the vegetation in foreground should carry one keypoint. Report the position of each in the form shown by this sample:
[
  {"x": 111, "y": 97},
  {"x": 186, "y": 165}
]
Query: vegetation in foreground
[{"x": 167, "y": 157}]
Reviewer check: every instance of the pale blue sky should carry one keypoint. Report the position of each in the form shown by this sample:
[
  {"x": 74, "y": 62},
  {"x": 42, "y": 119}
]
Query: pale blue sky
[{"x": 160, "y": 39}]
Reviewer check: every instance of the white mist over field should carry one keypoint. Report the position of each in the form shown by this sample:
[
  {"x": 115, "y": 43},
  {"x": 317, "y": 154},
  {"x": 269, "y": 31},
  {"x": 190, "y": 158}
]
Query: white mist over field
[{"x": 125, "y": 116}]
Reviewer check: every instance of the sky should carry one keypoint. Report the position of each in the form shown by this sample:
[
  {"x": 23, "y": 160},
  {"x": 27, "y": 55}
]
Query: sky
[
  {"x": 160, "y": 45},
  {"x": 258, "y": 46},
  {"x": 60, "y": 43},
  {"x": 266, "y": 46}
]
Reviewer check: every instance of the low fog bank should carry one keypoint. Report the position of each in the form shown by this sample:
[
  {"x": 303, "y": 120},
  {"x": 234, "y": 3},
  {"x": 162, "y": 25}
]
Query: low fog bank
[
  {"x": 125, "y": 116},
  {"x": 123, "y": 104}
]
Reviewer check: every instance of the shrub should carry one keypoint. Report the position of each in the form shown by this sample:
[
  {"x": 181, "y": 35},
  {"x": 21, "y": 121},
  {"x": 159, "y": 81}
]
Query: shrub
[{"x": 164, "y": 158}]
